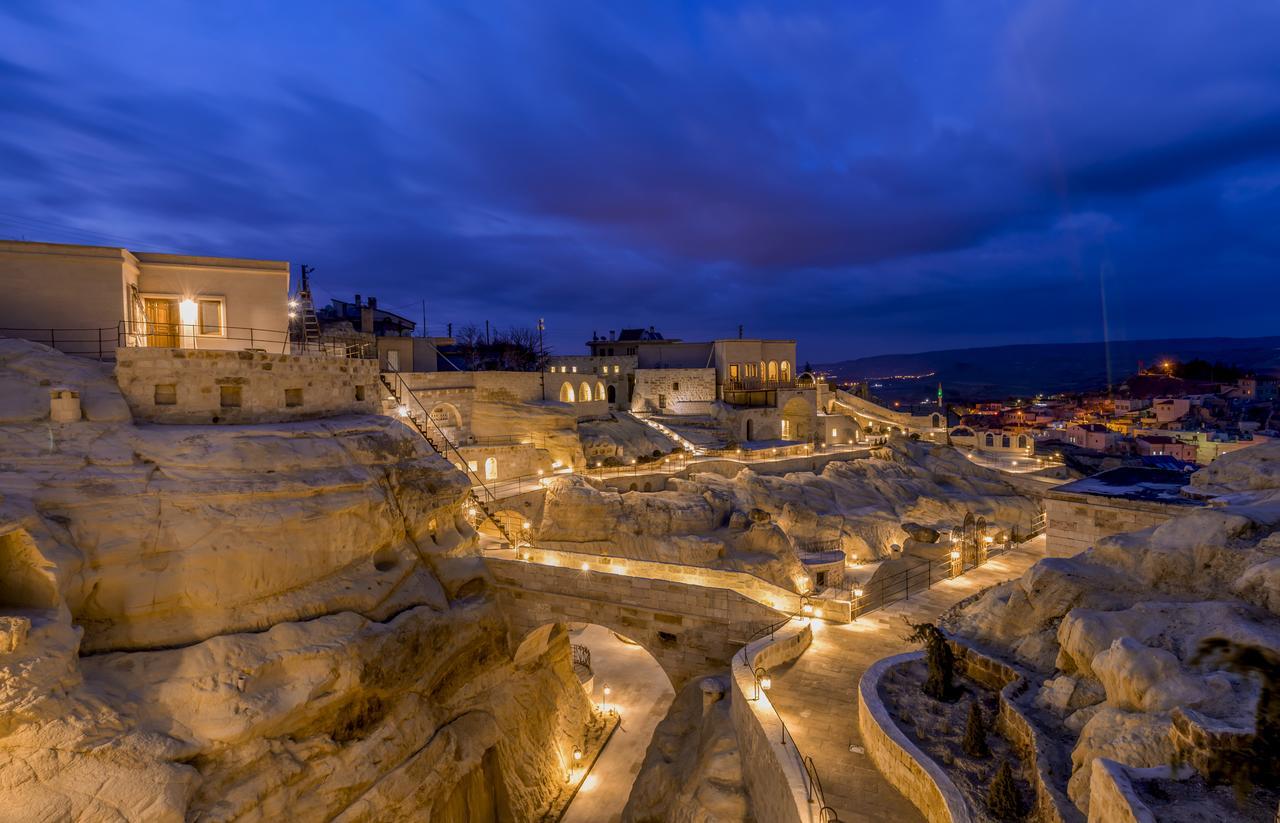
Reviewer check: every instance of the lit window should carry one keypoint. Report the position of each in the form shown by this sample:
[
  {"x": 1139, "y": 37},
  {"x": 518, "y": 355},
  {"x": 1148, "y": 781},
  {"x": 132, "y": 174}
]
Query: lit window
[
  {"x": 211, "y": 317},
  {"x": 615, "y": 369},
  {"x": 575, "y": 369}
]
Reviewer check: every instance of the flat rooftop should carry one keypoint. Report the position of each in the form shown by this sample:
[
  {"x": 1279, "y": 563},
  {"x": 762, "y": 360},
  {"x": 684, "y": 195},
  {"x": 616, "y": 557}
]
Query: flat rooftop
[{"x": 1147, "y": 485}]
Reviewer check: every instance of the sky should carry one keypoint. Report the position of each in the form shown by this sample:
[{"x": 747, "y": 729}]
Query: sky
[{"x": 867, "y": 178}]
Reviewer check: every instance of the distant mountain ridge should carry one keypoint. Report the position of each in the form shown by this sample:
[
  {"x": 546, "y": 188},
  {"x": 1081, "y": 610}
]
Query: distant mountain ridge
[{"x": 994, "y": 372}]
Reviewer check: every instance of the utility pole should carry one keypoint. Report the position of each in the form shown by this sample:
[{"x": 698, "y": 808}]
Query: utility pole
[{"x": 739, "y": 331}]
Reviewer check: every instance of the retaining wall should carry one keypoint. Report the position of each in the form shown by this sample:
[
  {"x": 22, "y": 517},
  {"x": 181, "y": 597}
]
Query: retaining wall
[
  {"x": 164, "y": 385},
  {"x": 913, "y": 773},
  {"x": 771, "y": 767}
]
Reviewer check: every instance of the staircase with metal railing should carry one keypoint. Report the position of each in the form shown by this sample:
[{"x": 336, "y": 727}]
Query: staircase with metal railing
[{"x": 484, "y": 497}]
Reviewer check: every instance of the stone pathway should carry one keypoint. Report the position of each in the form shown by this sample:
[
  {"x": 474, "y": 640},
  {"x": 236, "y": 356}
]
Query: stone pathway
[
  {"x": 817, "y": 694},
  {"x": 642, "y": 695}
]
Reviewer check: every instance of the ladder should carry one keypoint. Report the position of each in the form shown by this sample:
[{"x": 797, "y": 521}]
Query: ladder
[
  {"x": 485, "y": 500},
  {"x": 307, "y": 308}
]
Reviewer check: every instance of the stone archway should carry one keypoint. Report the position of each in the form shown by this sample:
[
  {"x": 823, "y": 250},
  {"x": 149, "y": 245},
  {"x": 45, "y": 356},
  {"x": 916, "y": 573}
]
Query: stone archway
[
  {"x": 566, "y": 393},
  {"x": 26, "y": 577},
  {"x": 797, "y": 420},
  {"x": 533, "y": 643},
  {"x": 611, "y": 393},
  {"x": 446, "y": 416},
  {"x": 584, "y": 392}
]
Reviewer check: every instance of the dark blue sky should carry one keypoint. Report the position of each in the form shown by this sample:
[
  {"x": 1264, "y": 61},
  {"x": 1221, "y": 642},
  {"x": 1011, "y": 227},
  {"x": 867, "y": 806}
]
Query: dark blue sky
[{"x": 868, "y": 177}]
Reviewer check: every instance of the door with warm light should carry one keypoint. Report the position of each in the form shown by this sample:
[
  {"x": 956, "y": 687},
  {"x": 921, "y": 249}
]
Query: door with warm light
[{"x": 162, "y": 321}]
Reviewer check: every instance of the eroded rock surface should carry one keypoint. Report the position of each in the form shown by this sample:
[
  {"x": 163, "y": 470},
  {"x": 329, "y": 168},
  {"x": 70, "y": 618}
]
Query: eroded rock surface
[
  {"x": 870, "y": 508},
  {"x": 254, "y": 622},
  {"x": 1111, "y": 634}
]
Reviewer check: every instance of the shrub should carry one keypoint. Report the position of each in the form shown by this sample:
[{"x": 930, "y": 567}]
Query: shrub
[
  {"x": 1002, "y": 797},
  {"x": 975, "y": 733},
  {"x": 942, "y": 663}
]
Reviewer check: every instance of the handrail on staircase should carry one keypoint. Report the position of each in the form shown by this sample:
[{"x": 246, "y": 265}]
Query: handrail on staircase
[{"x": 398, "y": 390}]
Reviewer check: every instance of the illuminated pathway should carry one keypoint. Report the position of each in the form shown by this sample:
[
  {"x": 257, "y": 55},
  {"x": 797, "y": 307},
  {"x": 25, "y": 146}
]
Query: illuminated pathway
[
  {"x": 817, "y": 693},
  {"x": 642, "y": 694}
]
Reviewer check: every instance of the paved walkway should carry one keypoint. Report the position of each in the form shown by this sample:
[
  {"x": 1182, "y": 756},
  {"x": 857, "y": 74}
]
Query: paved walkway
[
  {"x": 817, "y": 694},
  {"x": 642, "y": 694}
]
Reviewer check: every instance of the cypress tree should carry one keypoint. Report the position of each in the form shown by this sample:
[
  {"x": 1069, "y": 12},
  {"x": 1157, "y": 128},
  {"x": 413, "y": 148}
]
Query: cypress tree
[
  {"x": 1002, "y": 797},
  {"x": 975, "y": 733}
]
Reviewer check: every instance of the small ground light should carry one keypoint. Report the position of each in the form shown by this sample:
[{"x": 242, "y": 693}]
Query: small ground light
[
  {"x": 577, "y": 755},
  {"x": 955, "y": 555},
  {"x": 586, "y": 567},
  {"x": 807, "y": 608},
  {"x": 857, "y": 592}
]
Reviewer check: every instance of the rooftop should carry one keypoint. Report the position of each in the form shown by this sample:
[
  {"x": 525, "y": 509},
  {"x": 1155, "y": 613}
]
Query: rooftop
[{"x": 1135, "y": 483}]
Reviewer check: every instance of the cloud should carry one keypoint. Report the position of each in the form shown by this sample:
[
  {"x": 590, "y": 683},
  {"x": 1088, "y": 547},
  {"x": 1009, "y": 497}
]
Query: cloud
[{"x": 867, "y": 177}]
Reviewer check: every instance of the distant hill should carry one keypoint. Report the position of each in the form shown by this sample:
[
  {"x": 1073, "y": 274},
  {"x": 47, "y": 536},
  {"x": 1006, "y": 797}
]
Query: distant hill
[{"x": 995, "y": 372}]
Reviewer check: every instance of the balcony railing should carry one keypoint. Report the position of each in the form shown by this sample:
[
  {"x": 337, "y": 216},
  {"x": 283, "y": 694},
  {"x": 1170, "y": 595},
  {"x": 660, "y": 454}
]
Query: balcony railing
[
  {"x": 101, "y": 343},
  {"x": 143, "y": 334}
]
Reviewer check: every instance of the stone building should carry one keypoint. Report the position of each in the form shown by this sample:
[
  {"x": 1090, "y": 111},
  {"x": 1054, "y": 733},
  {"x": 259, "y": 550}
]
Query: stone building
[{"x": 89, "y": 300}]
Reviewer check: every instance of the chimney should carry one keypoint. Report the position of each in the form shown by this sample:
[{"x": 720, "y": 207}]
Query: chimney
[{"x": 373, "y": 302}]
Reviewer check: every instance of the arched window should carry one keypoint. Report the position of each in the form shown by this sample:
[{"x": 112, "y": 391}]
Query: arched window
[
  {"x": 773, "y": 371},
  {"x": 566, "y": 393},
  {"x": 491, "y": 468},
  {"x": 599, "y": 390},
  {"x": 1004, "y": 442},
  {"x": 937, "y": 421},
  {"x": 991, "y": 441},
  {"x": 1022, "y": 441},
  {"x": 584, "y": 393},
  {"x": 762, "y": 373},
  {"x": 784, "y": 371}
]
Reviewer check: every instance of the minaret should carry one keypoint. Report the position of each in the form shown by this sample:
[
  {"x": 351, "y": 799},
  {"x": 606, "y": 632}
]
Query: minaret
[{"x": 939, "y": 394}]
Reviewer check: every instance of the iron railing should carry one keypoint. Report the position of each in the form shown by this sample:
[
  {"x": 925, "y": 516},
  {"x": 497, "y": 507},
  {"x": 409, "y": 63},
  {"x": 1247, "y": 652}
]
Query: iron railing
[
  {"x": 143, "y": 334},
  {"x": 99, "y": 344},
  {"x": 581, "y": 656}
]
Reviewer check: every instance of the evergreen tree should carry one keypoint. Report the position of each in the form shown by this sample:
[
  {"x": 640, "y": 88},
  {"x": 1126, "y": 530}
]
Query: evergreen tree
[
  {"x": 975, "y": 733},
  {"x": 942, "y": 663},
  {"x": 1002, "y": 797}
]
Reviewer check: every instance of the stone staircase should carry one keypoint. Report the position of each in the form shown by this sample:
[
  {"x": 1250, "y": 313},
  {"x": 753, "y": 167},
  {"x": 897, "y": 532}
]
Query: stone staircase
[{"x": 401, "y": 401}]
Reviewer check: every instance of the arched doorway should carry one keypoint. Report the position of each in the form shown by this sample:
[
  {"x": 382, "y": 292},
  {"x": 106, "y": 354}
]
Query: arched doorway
[
  {"x": 599, "y": 390},
  {"x": 491, "y": 468},
  {"x": 797, "y": 420},
  {"x": 773, "y": 371},
  {"x": 750, "y": 427},
  {"x": 611, "y": 394},
  {"x": 584, "y": 393},
  {"x": 784, "y": 371},
  {"x": 566, "y": 393},
  {"x": 639, "y": 691}
]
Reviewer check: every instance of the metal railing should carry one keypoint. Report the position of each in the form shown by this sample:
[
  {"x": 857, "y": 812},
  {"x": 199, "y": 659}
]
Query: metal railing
[
  {"x": 581, "y": 656},
  {"x": 421, "y": 420},
  {"x": 99, "y": 344},
  {"x": 826, "y": 814},
  {"x": 878, "y": 593},
  {"x": 143, "y": 334}
]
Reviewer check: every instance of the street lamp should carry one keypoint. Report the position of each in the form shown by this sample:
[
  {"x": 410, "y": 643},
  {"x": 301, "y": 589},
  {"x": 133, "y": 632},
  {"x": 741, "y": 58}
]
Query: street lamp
[{"x": 763, "y": 682}]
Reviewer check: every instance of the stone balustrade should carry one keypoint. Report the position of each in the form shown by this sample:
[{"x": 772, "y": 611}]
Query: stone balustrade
[
  {"x": 773, "y": 769},
  {"x": 911, "y": 771}
]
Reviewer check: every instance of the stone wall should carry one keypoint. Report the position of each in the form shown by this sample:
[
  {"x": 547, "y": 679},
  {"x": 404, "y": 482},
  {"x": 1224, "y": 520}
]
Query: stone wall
[
  {"x": 510, "y": 460},
  {"x": 774, "y": 772},
  {"x": 1111, "y": 795},
  {"x": 909, "y": 770},
  {"x": 1076, "y": 522},
  {"x": 1051, "y": 804},
  {"x": 684, "y": 391},
  {"x": 199, "y": 386},
  {"x": 690, "y": 630}
]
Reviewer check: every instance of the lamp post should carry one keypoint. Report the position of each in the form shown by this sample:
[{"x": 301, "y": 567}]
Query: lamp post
[
  {"x": 857, "y": 602},
  {"x": 955, "y": 562},
  {"x": 763, "y": 682},
  {"x": 605, "y": 705}
]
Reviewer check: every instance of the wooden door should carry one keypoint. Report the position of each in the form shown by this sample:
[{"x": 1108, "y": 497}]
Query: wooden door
[{"x": 162, "y": 322}]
